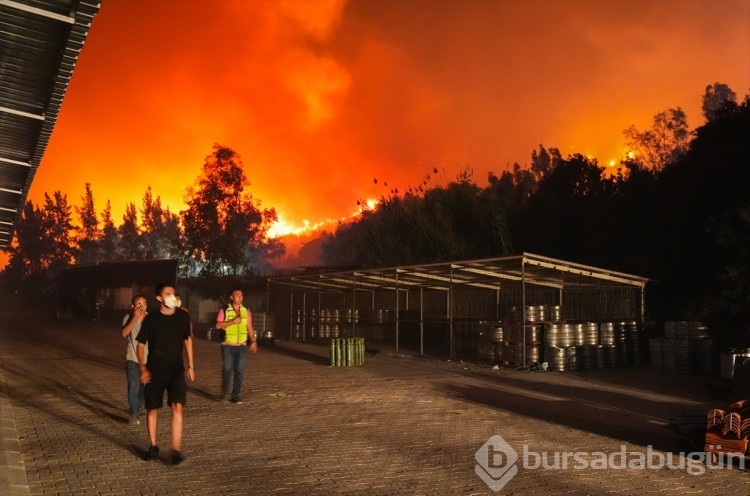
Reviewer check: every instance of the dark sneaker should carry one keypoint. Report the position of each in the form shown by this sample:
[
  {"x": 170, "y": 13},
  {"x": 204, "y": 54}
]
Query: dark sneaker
[
  {"x": 236, "y": 401},
  {"x": 153, "y": 453},
  {"x": 177, "y": 457},
  {"x": 133, "y": 420}
]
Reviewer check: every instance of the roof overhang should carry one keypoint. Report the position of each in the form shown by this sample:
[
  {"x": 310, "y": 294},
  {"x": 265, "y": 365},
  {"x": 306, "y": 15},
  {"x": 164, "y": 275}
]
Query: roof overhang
[
  {"x": 39, "y": 45},
  {"x": 491, "y": 273}
]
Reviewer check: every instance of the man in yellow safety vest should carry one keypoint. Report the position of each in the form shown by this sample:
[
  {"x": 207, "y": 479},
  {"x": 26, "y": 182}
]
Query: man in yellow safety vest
[{"x": 237, "y": 322}]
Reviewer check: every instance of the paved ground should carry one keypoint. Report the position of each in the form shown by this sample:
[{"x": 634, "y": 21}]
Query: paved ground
[{"x": 398, "y": 425}]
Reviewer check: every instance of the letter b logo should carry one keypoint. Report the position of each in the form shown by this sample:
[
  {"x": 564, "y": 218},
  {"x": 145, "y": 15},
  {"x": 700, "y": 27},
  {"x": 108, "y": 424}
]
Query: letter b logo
[{"x": 496, "y": 463}]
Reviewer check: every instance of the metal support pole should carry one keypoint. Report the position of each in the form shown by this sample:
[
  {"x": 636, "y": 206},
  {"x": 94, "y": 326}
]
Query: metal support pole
[
  {"x": 397, "y": 316},
  {"x": 320, "y": 317},
  {"x": 354, "y": 306},
  {"x": 421, "y": 321},
  {"x": 497, "y": 305},
  {"x": 523, "y": 311},
  {"x": 291, "y": 313},
  {"x": 304, "y": 316},
  {"x": 449, "y": 301}
]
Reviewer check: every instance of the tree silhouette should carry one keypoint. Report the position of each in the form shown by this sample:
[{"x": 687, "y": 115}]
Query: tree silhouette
[
  {"x": 88, "y": 232},
  {"x": 130, "y": 246},
  {"x": 58, "y": 226},
  {"x": 225, "y": 229},
  {"x": 663, "y": 144},
  {"x": 718, "y": 100},
  {"x": 109, "y": 241}
]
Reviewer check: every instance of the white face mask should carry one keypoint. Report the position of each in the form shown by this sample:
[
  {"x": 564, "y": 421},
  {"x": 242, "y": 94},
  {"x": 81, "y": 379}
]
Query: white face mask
[
  {"x": 170, "y": 301},
  {"x": 178, "y": 303}
]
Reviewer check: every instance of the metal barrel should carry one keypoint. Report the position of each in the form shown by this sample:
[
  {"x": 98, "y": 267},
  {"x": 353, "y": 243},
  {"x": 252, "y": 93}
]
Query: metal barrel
[
  {"x": 541, "y": 313},
  {"x": 552, "y": 335},
  {"x": 555, "y": 313},
  {"x": 585, "y": 357},
  {"x": 572, "y": 358},
  {"x": 494, "y": 332},
  {"x": 669, "y": 360},
  {"x": 486, "y": 351},
  {"x": 600, "y": 357},
  {"x": 670, "y": 330},
  {"x": 682, "y": 355},
  {"x": 530, "y": 313},
  {"x": 533, "y": 333},
  {"x": 500, "y": 353},
  {"x": 610, "y": 354},
  {"x": 591, "y": 333},
  {"x": 579, "y": 335},
  {"x": 566, "y": 336},
  {"x": 532, "y": 353},
  {"x": 556, "y": 357},
  {"x": 607, "y": 333},
  {"x": 656, "y": 353}
]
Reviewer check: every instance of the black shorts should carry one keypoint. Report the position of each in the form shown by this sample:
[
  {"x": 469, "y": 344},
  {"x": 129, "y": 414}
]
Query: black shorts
[{"x": 174, "y": 384}]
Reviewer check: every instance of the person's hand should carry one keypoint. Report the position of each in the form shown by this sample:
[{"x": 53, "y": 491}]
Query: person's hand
[
  {"x": 140, "y": 312},
  {"x": 253, "y": 346},
  {"x": 145, "y": 376},
  {"x": 191, "y": 374}
]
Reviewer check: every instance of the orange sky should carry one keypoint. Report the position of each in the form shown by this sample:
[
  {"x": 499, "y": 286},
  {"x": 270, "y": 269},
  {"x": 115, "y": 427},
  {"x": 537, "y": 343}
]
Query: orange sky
[{"x": 319, "y": 97}]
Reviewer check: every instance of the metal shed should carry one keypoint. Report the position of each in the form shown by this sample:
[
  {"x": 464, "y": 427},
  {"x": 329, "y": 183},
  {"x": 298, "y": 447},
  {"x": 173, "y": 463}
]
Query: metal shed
[{"x": 450, "y": 309}]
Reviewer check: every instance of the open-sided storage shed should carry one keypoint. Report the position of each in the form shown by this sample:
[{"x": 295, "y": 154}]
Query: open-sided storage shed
[{"x": 449, "y": 309}]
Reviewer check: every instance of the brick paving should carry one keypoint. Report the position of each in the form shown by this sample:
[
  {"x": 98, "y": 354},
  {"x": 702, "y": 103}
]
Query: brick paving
[{"x": 398, "y": 425}]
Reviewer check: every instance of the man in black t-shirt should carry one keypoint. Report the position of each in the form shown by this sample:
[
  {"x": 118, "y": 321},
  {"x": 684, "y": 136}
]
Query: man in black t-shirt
[{"x": 165, "y": 332}]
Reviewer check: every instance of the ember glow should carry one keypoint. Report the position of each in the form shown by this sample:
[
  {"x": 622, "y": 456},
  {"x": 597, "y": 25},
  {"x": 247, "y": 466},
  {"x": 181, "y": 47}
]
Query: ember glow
[{"x": 319, "y": 97}]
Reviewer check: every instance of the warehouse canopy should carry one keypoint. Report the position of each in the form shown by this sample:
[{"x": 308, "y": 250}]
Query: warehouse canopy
[
  {"x": 491, "y": 273},
  {"x": 39, "y": 45}
]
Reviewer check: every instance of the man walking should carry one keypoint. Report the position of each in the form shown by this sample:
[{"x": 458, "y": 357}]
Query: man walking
[
  {"x": 131, "y": 326},
  {"x": 165, "y": 332},
  {"x": 237, "y": 322}
]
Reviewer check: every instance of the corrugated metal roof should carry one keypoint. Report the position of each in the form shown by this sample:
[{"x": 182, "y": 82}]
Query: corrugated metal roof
[
  {"x": 39, "y": 45},
  {"x": 491, "y": 273}
]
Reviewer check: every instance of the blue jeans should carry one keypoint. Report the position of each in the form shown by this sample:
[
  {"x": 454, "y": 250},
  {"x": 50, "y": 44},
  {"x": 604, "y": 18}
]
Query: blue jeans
[
  {"x": 136, "y": 397},
  {"x": 233, "y": 361}
]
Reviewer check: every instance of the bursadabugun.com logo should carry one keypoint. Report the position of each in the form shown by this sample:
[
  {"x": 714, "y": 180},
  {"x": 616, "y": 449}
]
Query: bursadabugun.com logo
[{"x": 497, "y": 461}]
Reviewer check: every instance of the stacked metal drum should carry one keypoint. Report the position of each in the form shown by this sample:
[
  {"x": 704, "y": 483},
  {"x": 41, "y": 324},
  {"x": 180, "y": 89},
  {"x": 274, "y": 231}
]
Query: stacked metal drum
[
  {"x": 576, "y": 346},
  {"x": 685, "y": 348},
  {"x": 327, "y": 324},
  {"x": 491, "y": 342},
  {"x": 569, "y": 346},
  {"x": 525, "y": 334}
]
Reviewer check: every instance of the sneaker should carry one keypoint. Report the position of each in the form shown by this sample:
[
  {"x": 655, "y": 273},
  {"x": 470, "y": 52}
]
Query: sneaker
[
  {"x": 153, "y": 453},
  {"x": 236, "y": 401},
  {"x": 177, "y": 457},
  {"x": 133, "y": 420}
]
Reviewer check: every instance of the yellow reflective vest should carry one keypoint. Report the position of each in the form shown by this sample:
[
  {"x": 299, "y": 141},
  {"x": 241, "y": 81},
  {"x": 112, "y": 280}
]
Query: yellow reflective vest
[{"x": 236, "y": 333}]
